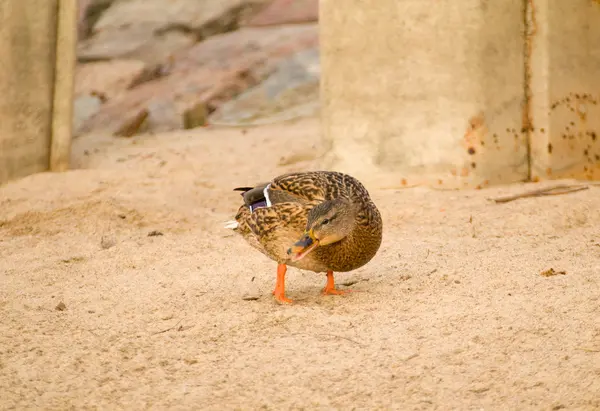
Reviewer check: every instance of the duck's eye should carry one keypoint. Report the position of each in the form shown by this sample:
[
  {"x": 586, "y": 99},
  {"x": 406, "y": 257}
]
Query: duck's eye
[{"x": 325, "y": 222}]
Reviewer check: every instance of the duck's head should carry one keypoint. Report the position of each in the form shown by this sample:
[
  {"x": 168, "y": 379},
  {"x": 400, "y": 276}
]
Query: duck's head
[{"x": 328, "y": 223}]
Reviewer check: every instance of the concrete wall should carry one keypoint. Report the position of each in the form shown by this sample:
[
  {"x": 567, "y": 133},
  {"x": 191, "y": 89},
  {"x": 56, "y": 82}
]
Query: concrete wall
[
  {"x": 28, "y": 61},
  {"x": 564, "y": 42},
  {"x": 416, "y": 93}
]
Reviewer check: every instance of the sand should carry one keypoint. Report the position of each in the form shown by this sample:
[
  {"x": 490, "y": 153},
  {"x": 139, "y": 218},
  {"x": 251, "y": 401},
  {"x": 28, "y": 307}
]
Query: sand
[{"x": 453, "y": 313}]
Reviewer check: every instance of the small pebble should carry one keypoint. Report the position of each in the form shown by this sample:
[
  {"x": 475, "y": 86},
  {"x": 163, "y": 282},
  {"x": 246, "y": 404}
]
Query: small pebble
[{"x": 107, "y": 242}]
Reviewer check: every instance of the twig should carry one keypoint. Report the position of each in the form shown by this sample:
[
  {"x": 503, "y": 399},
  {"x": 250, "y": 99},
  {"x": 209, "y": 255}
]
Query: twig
[
  {"x": 410, "y": 357},
  {"x": 167, "y": 329},
  {"x": 587, "y": 349},
  {"x": 549, "y": 191}
]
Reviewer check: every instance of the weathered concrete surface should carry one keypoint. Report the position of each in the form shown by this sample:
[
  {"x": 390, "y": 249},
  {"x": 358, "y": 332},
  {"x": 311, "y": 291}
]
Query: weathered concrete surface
[
  {"x": 417, "y": 94},
  {"x": 564, "y": 43},
  {"x": 37, "y": 62},
  {"x": 63, "y": 85},
  {"x": 27, "y": 51}
]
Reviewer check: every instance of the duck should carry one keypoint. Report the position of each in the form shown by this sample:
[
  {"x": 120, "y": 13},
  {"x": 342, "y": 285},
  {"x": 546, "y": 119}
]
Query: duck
[{"x": 320, "y": 221}]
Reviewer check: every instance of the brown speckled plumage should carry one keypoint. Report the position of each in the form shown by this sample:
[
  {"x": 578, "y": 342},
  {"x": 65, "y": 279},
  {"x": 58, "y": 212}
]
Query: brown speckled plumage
[{"x": 272, "y": 230}]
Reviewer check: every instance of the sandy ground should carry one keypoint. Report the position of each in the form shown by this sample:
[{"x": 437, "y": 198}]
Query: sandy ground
[{"x": 453, "y": 312}]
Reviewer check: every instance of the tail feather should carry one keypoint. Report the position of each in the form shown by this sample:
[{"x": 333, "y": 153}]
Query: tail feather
[
  {"x": 232, "y": 224},
  {"x": 253, "y": 195}
]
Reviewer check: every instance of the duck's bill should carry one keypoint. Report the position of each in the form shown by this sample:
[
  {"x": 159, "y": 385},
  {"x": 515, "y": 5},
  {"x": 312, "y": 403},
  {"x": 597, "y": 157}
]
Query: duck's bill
[{"x": 303, "y": 247}]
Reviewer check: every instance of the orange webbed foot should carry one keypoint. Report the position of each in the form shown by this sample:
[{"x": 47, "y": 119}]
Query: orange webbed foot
[
  {"x": 282, "y": 299},
  {"x": 334, "y": 291},
  {"x": 330, "y": 286}
]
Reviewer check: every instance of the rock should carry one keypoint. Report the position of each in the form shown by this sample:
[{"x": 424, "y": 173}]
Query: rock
[
  {"x": 89, "y": 12},
  {"x": 250, "y": 291},
  {"x": 196, "y": 116},
  {"x": 268, "y": 43},
  {"x": 292, "y": 91},
  {"x": 203, "y": 77},
  {"x": 138, "y": 42},
  {"x": 107, "y": 78},
  {"x": 60, "y": 306},
  {"x": 151, "y": 30},
  {"x": 286, "y": 12},
  {"x": 188, "y": 15},
  {"x": 163, "y": 114},
  {"x": 84, "y": 107},
  {"x": 107, "y": 242},
  {"x": 132, "y": 125},
  {"x": 280, "y": 115},
  {"x": 163, "y": 102}
]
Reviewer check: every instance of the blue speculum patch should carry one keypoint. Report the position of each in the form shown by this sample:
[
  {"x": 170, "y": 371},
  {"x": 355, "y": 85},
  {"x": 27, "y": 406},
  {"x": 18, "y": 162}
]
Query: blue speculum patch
[{"x": 259, "y": 204}]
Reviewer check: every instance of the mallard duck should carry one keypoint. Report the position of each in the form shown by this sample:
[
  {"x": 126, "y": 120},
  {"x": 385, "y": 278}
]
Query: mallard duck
[{"x": 322, "y": 221}]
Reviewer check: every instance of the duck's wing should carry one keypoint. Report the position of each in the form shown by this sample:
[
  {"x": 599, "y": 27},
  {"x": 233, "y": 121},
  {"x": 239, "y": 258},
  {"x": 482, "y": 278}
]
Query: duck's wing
[
  {"x": 253, "y": 195},
  {"x": 318, "y": 186},
  {"x": 264, "y": 195},
  {"x": 305, "y": 188}
]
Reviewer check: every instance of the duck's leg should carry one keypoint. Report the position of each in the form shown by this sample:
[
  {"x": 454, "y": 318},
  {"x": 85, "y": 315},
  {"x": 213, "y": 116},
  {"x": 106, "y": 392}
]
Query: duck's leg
[
  {"x": 330, "y": 286},
  {"x": 279, "y": 291}
]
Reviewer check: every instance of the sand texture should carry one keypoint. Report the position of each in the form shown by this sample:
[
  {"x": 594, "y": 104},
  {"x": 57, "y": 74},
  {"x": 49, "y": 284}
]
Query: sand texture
[{"x": 120, "y": 289}]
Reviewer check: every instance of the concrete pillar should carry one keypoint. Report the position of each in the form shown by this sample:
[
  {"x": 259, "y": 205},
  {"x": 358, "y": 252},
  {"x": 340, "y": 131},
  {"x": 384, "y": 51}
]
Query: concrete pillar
[
  {"x": 64, "y": 84},
  {"x": 422, "y": 92},
  {"x": 36, "y": 82},
  {"x": 564, "y": 95}
]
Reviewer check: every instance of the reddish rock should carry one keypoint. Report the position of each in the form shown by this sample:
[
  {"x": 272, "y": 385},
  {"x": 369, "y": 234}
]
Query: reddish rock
[
  {"x": 151, "y": 30},
  {"x": 224, "y": 51},
  {"x": 139, "y": 42},
  {"x": 286, "y": 12},
  {"x": 97, "y": 83},
  {"x": 191, "y": 15},
  {"x": 133, "y": 125},
  {"x": 107, "y": 78},
  {"x": 292, "y": 91},
  {"x": 208, "y": 74},
  {"x": 163, "y": 103}
]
